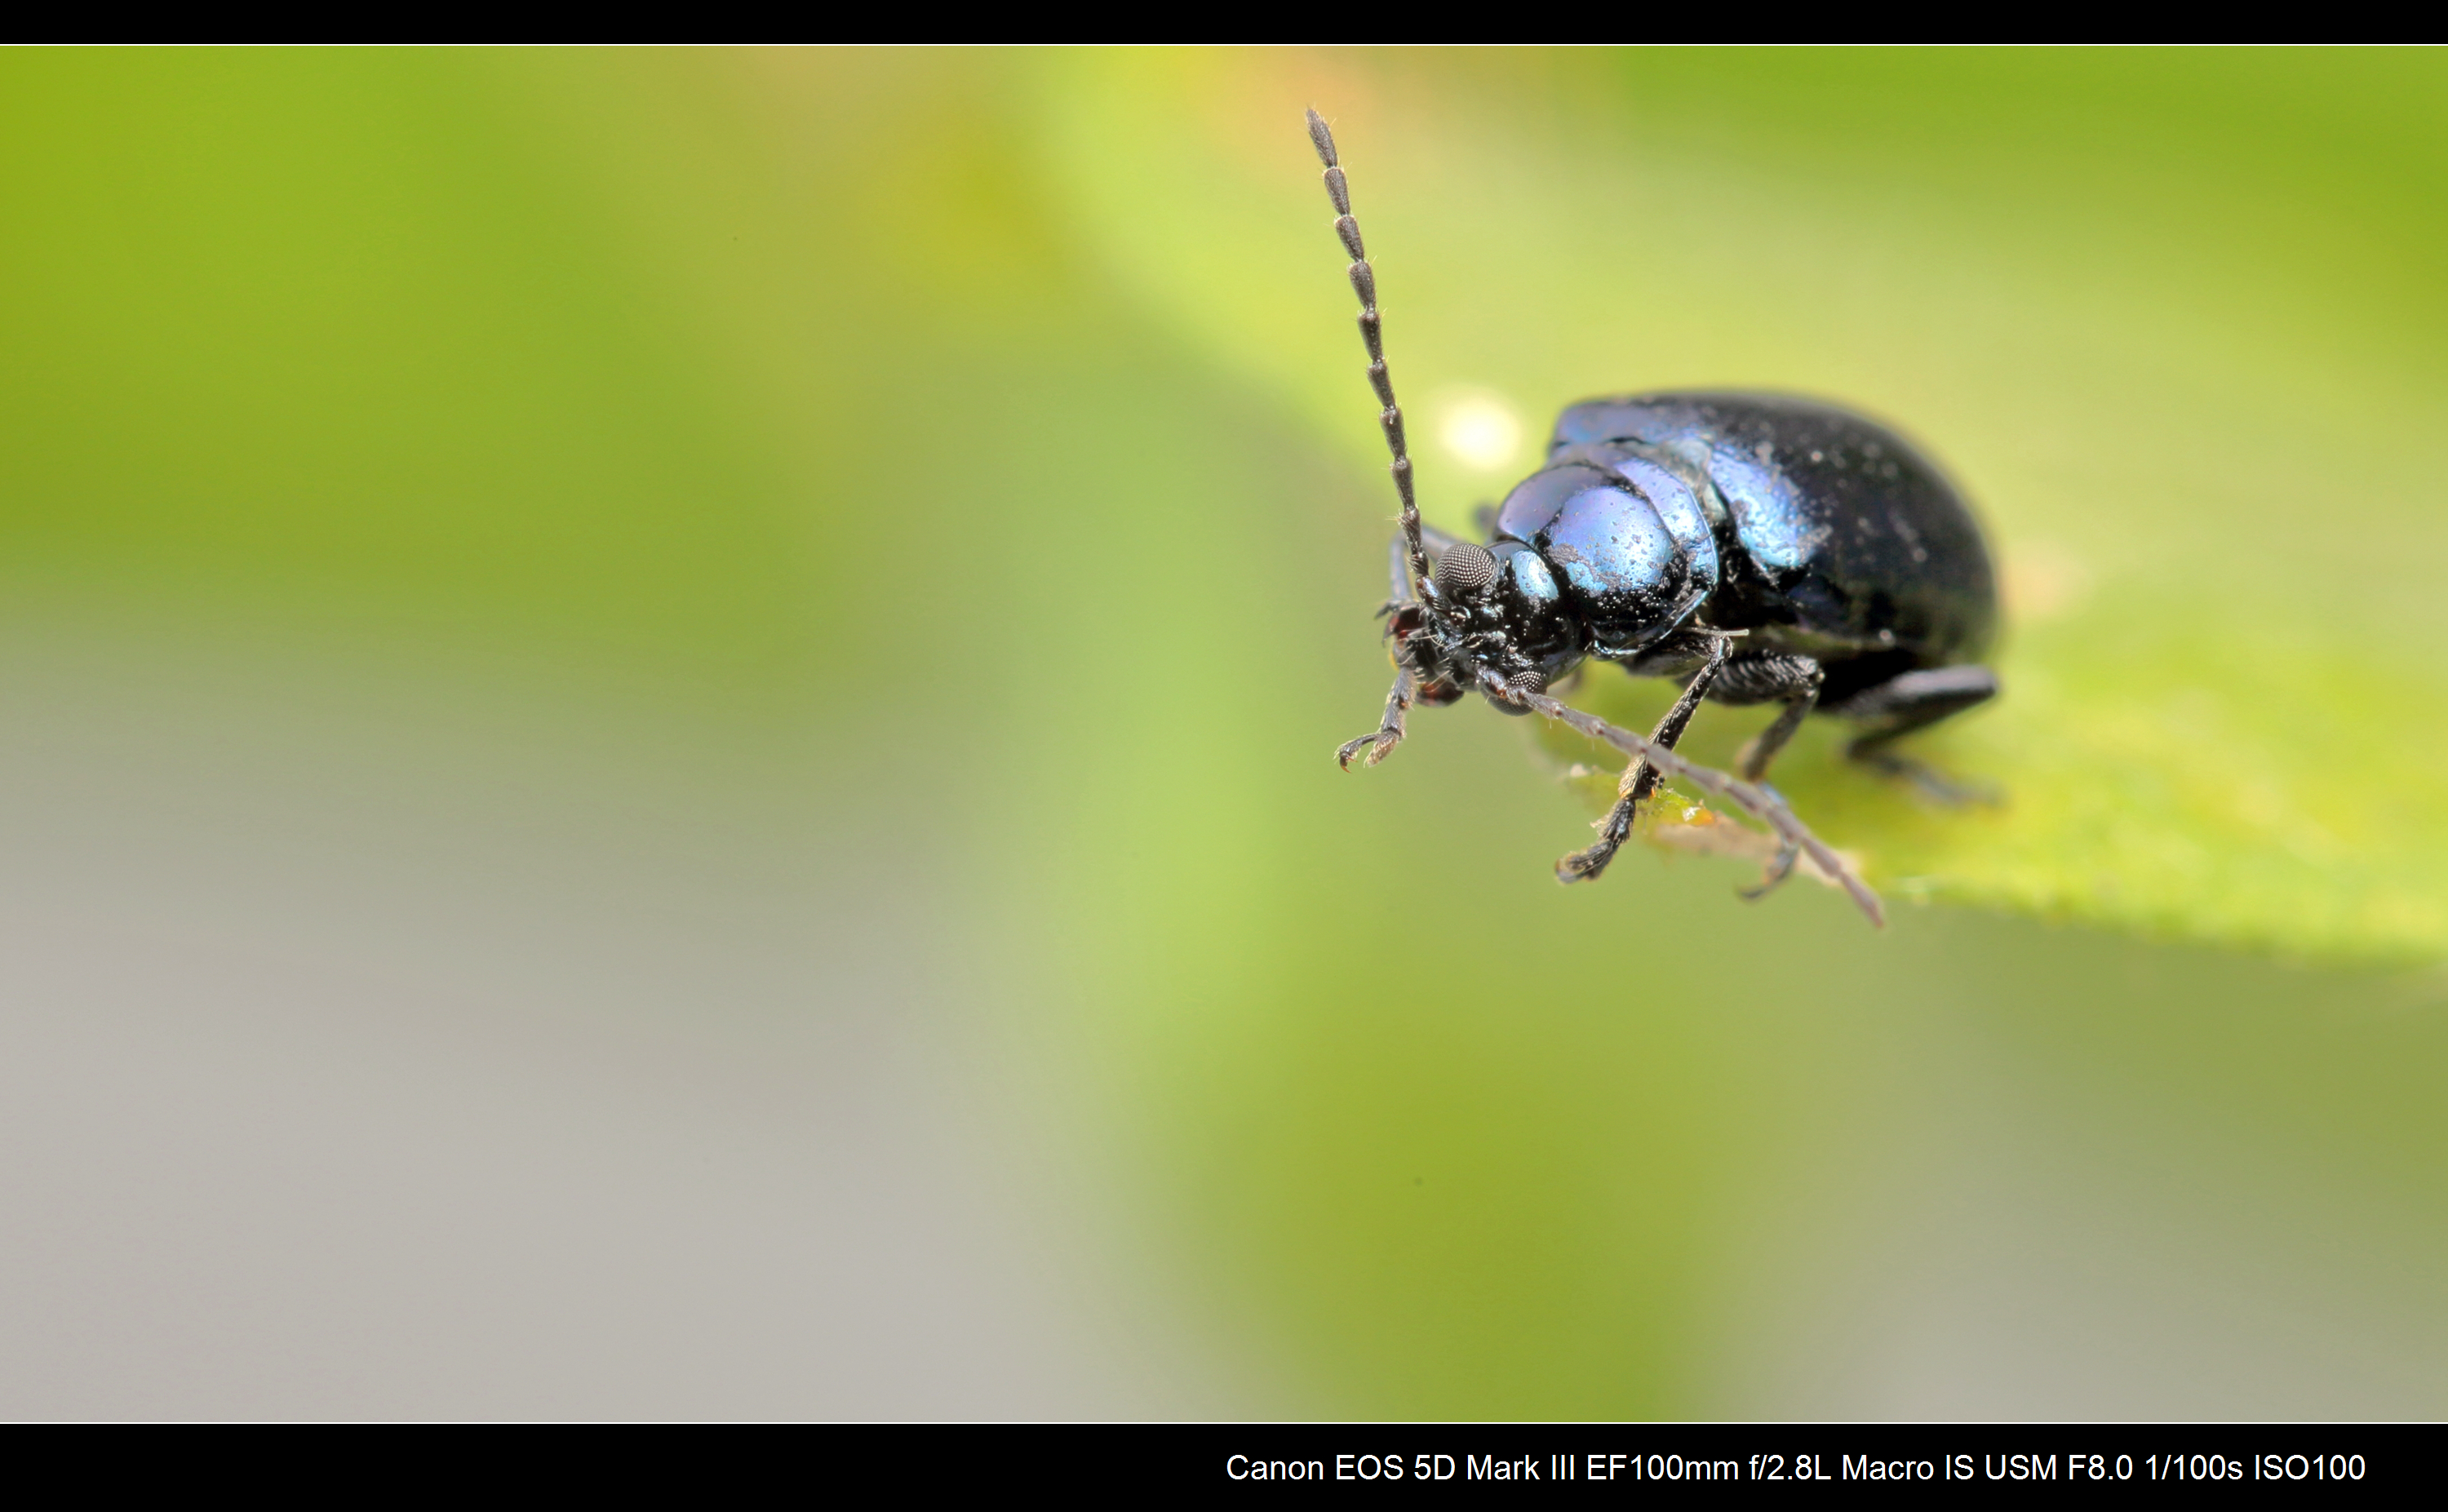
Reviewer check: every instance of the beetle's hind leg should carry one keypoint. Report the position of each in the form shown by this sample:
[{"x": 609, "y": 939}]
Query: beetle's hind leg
[
  {"x": 1907, "y": 702},
  {"x": 1641, "y": 779}
]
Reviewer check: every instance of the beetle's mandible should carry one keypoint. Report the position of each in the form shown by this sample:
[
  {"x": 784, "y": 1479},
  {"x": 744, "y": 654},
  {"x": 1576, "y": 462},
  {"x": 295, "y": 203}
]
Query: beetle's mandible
[{"x": 1755, "y": 547}]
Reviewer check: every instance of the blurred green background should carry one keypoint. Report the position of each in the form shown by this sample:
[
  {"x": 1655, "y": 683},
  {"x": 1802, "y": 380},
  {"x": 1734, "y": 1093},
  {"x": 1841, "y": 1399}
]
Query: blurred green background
[{"x": 669, "y": 723}]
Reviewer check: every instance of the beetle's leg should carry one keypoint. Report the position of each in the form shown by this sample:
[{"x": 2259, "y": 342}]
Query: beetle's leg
[
  {"x": 1760, "y": 801},
  {"x": 1397, "y": 564},
  {"x": 1640, "y": 779},
  {"x": 1770, "y": 677},
  {"x": 1904, "y": 703},
  {"x": 1397, "y": 585},
  {"x": 1388, "y": 733},
  {"x": 1778, "y": 869}
]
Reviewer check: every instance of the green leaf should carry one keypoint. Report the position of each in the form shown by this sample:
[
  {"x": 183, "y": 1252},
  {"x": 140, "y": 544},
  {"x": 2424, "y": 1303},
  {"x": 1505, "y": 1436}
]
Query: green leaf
[{"x": 2175, "y": 322}]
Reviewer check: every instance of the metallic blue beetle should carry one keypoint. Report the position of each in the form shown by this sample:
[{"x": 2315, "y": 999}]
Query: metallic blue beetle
[{"x": 1756, "y": 547}]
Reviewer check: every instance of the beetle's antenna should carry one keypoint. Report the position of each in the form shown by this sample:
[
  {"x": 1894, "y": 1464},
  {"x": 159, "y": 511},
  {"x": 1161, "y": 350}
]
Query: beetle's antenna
[{"x": 1364, "y": 283}]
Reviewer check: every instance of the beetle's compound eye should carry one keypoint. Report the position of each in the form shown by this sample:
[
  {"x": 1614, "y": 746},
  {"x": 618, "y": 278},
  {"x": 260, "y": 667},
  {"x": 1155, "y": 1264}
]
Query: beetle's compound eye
[{"x": 1464, "y": 569}]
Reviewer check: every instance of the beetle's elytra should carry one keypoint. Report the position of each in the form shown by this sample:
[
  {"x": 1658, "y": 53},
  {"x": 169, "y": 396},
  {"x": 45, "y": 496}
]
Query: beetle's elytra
[{"x": 1755, "y": 547}]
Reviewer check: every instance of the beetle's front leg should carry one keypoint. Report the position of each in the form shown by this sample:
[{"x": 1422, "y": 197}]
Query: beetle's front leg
[
  {"x": 1770, "y": 677},
  {"x": 1641, "y": 777},
  {"x": 1398, "y": 566},
  {"x": 1415, "y": 683},
  {"x": 1388, "y": 733},
  {"x": 1397, "y": 579}
]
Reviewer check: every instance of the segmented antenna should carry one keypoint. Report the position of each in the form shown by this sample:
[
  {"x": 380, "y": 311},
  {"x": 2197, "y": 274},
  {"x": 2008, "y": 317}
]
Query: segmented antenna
[{"x": 1364, "y": 283}]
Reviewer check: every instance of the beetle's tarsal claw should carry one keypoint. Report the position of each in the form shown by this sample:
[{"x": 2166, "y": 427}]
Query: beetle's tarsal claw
[
  {"x": 1379, "y": 745},
  {"x": 1778, "y": 869},
  {"x": 1585, "y": 865},
  {"x": 1926, "y": 781}
]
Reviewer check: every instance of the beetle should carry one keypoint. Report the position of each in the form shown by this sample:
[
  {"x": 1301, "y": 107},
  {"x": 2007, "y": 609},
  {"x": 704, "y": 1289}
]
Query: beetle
[{"x": 1756, "y": 549}]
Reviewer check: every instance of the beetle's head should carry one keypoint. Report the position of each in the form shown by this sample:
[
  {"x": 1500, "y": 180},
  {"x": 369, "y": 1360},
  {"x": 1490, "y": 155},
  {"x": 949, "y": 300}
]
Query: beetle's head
[{"x": 1499, "y": 606}]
